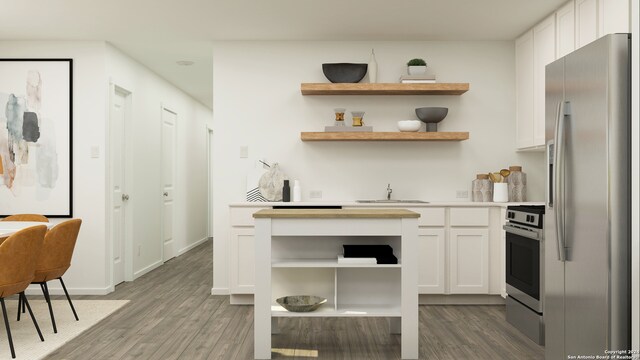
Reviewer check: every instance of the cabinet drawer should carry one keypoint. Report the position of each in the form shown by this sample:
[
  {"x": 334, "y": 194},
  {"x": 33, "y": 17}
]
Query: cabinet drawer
[
  {"x": 469, "y": 217},
  {"x": 243, "y": 216},
  {"x": 430, "y": 216}
]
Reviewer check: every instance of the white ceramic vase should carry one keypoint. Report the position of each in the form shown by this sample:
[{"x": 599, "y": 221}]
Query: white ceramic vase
[
  {"x": 372, "y": 68},
  {"x": 500, "y": 192}
]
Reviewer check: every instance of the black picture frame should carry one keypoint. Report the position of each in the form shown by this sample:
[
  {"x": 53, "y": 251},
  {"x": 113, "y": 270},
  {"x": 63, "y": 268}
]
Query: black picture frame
[{"x": 53, "y": 82}]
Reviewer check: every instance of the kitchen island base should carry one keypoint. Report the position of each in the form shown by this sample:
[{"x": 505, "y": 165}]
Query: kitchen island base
[{"x": 296, "y": 254}]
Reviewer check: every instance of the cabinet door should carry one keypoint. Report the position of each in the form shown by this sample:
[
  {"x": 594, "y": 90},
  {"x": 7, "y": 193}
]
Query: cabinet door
[
  {"x": 524, "y": 90},
  {"x": 586, "y": 22},
  {"x": 565, "y": 29},
  {"x": 432, "y": 261},
  {"x": 544, "y": 52},
  {"x": 242, "y": 270},
  {"x": 613, "y": 17},
  {"x": 469, "y": 261}
]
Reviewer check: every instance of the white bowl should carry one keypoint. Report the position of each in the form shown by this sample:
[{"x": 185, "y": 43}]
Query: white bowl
[{"x": 409, "y": 125}]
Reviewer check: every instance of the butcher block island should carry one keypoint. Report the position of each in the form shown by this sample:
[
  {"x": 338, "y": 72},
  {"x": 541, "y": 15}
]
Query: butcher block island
[{"x": 297, "y": 253}]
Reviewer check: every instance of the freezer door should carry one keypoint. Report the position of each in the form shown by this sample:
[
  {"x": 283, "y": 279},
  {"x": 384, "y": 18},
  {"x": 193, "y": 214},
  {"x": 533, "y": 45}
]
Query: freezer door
[
  {"x": 553, "y": 278},
  {"x": 586, "y": 197}
]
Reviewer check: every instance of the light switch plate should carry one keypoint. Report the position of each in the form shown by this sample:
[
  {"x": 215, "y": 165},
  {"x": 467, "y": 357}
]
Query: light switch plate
[
  {"x": 462, "y": 194},
  {"x": 95, "y": 151},
  {"x": 244, "y": 152},
  {"x": 315, "y": 194}
]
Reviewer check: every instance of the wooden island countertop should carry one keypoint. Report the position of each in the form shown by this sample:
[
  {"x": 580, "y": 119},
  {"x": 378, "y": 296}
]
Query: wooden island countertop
[{"x": 335, "y": 214}]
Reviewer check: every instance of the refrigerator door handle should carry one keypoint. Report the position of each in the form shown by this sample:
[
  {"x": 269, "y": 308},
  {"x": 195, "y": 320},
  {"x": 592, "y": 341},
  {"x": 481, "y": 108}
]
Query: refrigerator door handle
[{"x": 558, "y": 181}]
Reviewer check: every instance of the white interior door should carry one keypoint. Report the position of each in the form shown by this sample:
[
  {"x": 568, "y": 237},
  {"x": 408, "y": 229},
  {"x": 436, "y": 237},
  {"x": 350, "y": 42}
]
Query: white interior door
[
  {"x": 118, "y": 118},
  {"x": 168, "y": 181}
]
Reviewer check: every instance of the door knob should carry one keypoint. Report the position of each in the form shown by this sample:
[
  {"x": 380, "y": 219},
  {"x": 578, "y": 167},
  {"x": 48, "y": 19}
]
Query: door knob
[
  {"x": 125, "y": 197},
  {"x": 165, "y": 194}
]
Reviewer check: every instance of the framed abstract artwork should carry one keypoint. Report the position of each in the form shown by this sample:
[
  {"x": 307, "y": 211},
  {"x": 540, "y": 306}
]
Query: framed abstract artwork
[{"x": 35, "y": 137}]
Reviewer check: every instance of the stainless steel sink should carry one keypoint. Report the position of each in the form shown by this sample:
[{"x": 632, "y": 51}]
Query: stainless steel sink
[{"x": 393, "y": 201}]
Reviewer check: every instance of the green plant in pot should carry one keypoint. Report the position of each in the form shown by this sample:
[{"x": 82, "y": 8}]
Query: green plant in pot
[{"x": 416, "y": 67}]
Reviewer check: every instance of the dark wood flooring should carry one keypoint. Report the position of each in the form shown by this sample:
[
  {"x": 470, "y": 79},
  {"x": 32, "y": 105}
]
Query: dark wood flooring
[{"x": 172, "y": 315}]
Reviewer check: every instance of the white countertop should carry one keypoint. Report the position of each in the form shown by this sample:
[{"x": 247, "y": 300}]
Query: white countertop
[{"x": 351, "y": 203}]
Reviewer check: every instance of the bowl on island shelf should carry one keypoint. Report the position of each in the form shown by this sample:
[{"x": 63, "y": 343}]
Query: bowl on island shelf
[{"x": 301, "y": 303}]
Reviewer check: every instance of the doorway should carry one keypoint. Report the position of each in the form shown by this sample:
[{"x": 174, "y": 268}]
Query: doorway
[
  {"x": 120, "y": 184},
  {"x": 169, "y": 119}
]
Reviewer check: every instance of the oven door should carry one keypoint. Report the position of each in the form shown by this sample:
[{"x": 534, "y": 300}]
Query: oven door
[{"x": 523, "y": 267}]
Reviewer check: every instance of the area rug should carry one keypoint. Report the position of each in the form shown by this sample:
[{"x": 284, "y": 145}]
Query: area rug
[{"x": 26, "y": 342}]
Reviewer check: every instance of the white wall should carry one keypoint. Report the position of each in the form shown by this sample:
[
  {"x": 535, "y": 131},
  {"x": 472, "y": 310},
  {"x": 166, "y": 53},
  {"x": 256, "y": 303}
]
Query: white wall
[
  {"x": 87, "y": 274},
  {"x": 258, "y": 104},
  {"x": 94, "y": 63},
  {"x": 149, "y": 94}
]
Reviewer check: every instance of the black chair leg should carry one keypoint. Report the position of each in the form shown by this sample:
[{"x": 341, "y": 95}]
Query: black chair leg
[
  {"x": 35, "y": 323},
  {"x": 6, "y": 323},
  {"x": 68, "y": 298},
  {"x": 45, "y": 290},
  {"x": 19, "y": 307}
]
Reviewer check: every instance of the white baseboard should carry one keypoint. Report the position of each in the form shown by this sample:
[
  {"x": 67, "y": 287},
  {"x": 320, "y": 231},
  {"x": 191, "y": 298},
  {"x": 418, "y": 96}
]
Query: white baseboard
[
  {"x": 455, "y": 299},
  {"x": 57, "y": 290},
  {"x": 241, "y": 299},
  {"x": 219, "y": 291},
  {"x": 185, "y": 249},
  {"x": 147, "y": 269}
]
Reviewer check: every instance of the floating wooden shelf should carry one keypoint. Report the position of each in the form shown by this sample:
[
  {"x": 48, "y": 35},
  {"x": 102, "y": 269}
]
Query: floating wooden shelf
[
  {"x": 384, "y": 136},
  {"x": 383, "y": 89}
]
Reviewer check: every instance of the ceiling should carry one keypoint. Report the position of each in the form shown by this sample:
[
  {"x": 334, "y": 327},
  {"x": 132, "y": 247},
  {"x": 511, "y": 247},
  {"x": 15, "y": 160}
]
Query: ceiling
[{"x": 158, "y": 33}]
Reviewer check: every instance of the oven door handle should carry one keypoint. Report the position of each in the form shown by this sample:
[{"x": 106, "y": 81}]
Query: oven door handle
[{"x": 522, "y": 232}]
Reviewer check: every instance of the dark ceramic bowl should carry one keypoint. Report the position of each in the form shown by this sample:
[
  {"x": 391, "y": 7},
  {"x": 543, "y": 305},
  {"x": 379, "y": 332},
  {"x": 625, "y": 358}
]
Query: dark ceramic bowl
[
  {"x": 431, "y": 116},
  {"x": 344, "y": 72},
  {"x": 301, "y": 303}
]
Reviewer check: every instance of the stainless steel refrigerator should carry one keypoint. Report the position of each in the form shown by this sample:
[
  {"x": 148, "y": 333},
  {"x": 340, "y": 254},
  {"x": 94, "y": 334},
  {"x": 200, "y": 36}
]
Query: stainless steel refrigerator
[{"x": 587, "y": 298}]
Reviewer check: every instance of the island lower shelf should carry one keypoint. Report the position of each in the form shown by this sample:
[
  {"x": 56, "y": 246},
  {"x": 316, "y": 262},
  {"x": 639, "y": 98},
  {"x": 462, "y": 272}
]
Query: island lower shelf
[
  {"x": 384, "y": 136},
  {"x": 325, "y": 263},
  {"x": 348, "y": 310}
]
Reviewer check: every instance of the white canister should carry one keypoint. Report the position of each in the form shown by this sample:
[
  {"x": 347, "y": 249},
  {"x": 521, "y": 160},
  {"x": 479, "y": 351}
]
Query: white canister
[
  {"x": 297, "y": 192},
  {"x": 500, "y": 192}
]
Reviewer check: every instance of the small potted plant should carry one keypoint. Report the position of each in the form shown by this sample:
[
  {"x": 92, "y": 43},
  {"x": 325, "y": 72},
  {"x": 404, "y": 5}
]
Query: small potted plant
[{"x": 416, "y": 67}]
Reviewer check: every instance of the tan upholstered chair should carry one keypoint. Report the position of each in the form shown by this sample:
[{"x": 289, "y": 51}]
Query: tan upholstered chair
[
  {"x": 26, "y": 217},
  {"x": 18, "y": 256},
  {"x": 55, "y": 259}
]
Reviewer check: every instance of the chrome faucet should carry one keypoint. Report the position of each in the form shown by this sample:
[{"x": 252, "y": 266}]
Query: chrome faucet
[{"x": 389, "y": 191}]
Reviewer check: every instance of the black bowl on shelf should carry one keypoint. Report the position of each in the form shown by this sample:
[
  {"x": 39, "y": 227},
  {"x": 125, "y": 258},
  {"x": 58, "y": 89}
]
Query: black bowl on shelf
[
  {"x": 344, "y": 72},
  {"x": 432, "y": 116}
]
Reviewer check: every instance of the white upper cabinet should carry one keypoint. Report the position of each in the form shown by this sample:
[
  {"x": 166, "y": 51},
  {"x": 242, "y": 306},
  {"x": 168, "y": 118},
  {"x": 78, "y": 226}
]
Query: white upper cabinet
[
  {"x": 613, "y": 17},
  {"x": 524, "y": 90},
  {"x": 534, "y": 50},
  {"x": 544, "y": 53},
  {"x": 565, "y": 29},
  {"x": 586, "y": 22},
  {"x": 575, "y": 24}
]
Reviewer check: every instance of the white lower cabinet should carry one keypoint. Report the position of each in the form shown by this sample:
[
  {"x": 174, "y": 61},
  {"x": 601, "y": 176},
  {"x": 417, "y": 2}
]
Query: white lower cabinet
[
  {"x": 242, "y": 268},
  {"x": 469, "y": 261},
  {"x": 454, "y": 248},
  {"x": 431, "y": 261}
]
